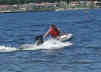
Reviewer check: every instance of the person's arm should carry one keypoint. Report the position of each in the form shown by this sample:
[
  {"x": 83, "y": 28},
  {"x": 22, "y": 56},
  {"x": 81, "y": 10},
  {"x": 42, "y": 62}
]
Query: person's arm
[{"x": 46, "y": 34}]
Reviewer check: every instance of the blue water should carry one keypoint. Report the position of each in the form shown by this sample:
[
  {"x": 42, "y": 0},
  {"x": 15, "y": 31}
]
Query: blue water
[{"x": 21, "y": 28}]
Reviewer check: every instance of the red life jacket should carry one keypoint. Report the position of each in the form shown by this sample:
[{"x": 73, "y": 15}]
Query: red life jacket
[{"x": 54, "y": 32}]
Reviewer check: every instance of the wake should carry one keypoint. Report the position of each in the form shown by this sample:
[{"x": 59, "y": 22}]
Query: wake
[
  {"x": 49, "y": 44},
  {"x": 7, "y": 49}
]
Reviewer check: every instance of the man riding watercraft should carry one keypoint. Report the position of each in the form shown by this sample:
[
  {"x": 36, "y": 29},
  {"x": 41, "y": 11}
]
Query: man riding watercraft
[
  {"x": 53, "y": 31},
  {"x": 55, "y": 34}
]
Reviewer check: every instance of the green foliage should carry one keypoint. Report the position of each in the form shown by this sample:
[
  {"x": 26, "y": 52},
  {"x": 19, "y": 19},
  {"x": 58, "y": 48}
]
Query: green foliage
[{"x": 27, "y": 1}]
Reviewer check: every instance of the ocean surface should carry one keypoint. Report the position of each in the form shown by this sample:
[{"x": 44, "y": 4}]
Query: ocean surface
[{"x": 84, "y": 55}]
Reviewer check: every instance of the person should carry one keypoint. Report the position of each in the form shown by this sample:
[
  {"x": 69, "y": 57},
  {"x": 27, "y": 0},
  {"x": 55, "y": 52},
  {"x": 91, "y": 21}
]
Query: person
[
  {"x": 53, "y": 31},
  {"x": 39, "y": 40}
]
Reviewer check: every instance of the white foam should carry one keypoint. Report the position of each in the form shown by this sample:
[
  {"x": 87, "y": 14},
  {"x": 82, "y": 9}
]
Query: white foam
[
  {"x": 49, "y": 44},
  {"x": 7, "y": 49}
]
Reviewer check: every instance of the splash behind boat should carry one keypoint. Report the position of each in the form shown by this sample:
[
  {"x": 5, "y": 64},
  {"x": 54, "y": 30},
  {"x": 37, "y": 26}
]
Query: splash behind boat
[{"x": 49, "y": 44}]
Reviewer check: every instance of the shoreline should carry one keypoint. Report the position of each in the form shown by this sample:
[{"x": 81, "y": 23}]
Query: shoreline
[
  {"x": 76, "y": 9},
  {"x": 59, "y": 9}
]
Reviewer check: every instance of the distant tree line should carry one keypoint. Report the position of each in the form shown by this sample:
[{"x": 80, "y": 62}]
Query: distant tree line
[
  {"x": 36, "y": 1},
  {"x": 28, "y": 1}
]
